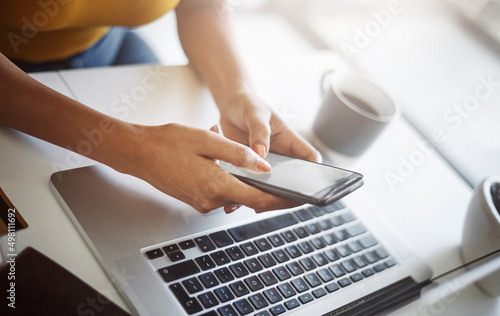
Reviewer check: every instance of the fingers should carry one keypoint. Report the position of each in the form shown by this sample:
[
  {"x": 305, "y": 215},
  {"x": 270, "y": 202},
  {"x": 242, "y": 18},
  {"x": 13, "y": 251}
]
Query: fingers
[{"x": 221, "y": 148}]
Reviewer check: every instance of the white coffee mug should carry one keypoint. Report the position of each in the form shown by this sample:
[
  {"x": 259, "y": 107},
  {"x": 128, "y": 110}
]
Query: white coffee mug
[
  {"x": 353, "y": 113},
  {"x": 481, "y": 232}
]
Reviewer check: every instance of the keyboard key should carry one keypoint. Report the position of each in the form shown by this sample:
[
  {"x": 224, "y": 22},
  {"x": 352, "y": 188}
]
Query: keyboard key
[
  {"x": 153, "y": 254},
  {"x": 301, "y": 232},
  {"x": 289, "y": 236},
  {"x": 258, "y": 301},
  {"x": 319, "y": 292},
  {"x": 381, "y": 253},
  {"x": 282, "y": 273},
  {"x": 204, "y": 243},
  {"x": 325, "y": 224},
  {"x": 295, "y": 268},
  {"x": 348, "y": 217},
  {"x": 239, "y": 289},
  {"x": 293, "y": 251},
  {"x": 170, "y": 248},
  {"x": 333, "y": 207},
  {"x": 280, "y": 255},
  {"x": 354, "y": 246},
  {"x": 235, "y": 253},
  {"x": 227, "y": 310},
  {"x": 343, "y": 251},
  {"x": 359, "y": 261},
  {"x": 176, "y": 255},
  {"x": 276, "y": 240},
  {"x": 249, "y": 248},
  {"x": 332, "y": 287},
  {"x": 190, "y": 305},
  {"x": 208, "y": 299},
  {"x": 253, "y": 283},
  {"x": 300, "y": 285},
  {"x": 262, "y": 313},
  {"x": 344, "y": 282},
  {"x": 192, "y": 285},
  {"x": 306, "y": 247},
  {"x": 211, "y": 313},
  {"x": 318, "y": 243},
  {"x": 221, "y": 239},
  {"x": 368, "y": 272},
  {"x": 356, "y": 277},
  {"x": 379, "y": 267},
  {"x": 390, "y": 263},
  {"x": 187, "y": 244},
  {"x": 208, "y": 280},
  {"x": 263, "y": 244},
  {"x": 325, "y": 275},
  {"x": 306, "y": 298},
  {"x": 367, "y": 241},
  {"x": 317, "y": 211},
  {"x": 307, "y": 263},
  {"x": 262, "y": 227},
  {"x": 286, "y": 290},
  {"x": 291, "y": 304},
  {"x": 253, "y": 265},
  {"x": 303, "y": 215},
  {"x": 277, "y": 310},
  {"x": 243, "y": 307},
  {"x": 355, "y": 230},
  {"x": 220, "y": 258},
  {"x": 272, "y": 295},
  {"x": 205, "y": 262},
  {"x": 349, "y": 266},
  {"x": 267, "y": 260},
  {"x": 224, "y": 275},
  {"x": 312, "y": 279},
  {"x": 331, "y": 255},
  {"x": 239, "y": 269},
  {"x": 339, "y": 235},
  {"x": 320, "y": 259},
  {"x": 224, "y": 294},
  {"x": 337, "y": 270},
  {"x": 313, "y": 229},
  {"x": 370, "y": 257},
  {"x": 179, "y": 271},
  {"x": 268, "y": 278},
  {"x": 336, "y": 221}
]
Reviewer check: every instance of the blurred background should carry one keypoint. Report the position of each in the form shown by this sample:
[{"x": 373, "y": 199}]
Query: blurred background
[{"x": 439, "y": 59}]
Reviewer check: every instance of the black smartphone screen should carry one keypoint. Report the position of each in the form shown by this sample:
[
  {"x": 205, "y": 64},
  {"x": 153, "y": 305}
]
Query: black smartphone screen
[{"x": 301, "y": 180}]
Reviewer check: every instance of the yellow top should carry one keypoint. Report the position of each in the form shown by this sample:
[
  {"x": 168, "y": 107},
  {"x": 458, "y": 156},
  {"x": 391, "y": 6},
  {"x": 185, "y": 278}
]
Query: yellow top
[{"x": 46, "y": 30}]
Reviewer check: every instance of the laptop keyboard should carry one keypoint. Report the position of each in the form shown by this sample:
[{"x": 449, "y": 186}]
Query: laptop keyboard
[{"x": 271, "y": 266}]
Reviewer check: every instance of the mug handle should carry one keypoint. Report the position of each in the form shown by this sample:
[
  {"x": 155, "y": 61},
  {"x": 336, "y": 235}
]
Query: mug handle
[{"x": 323, "y": 81}]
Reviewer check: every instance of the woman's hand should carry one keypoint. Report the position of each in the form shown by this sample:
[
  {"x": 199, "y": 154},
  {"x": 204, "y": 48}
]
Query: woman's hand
[
  {"x": 182, "y": 162},
  {"x": 247, "y": 120}
]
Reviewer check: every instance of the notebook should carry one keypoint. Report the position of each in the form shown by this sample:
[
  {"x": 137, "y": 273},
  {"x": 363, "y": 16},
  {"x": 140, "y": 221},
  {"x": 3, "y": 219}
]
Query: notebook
[{"x": 167, "y": 259}]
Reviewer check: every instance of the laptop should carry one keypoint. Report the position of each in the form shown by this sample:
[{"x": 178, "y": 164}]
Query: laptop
[{"x": 167, "y": 259}]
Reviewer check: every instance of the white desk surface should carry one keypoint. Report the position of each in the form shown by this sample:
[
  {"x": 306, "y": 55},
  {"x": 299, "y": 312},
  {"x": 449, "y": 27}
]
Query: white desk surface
[{"x": 427, "y": 209}]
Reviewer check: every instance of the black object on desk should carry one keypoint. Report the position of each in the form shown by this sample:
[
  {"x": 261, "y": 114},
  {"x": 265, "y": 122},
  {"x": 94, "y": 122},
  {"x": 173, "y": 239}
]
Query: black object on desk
[{"x": 43, "y": 287}]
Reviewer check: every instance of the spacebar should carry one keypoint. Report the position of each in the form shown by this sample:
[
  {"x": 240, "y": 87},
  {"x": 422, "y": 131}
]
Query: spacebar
[{"x": 262, "y": 227}]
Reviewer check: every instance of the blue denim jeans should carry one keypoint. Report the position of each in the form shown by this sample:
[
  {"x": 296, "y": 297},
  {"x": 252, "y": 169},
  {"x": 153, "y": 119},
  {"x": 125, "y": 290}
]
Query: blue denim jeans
[{"x": 119, "y": 46}]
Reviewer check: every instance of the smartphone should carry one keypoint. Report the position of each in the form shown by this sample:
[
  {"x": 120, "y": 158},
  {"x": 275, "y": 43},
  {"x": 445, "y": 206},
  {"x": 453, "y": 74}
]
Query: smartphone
[{"x": 300, "y": 180}]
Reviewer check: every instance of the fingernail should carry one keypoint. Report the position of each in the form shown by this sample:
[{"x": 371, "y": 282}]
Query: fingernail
[
  {"x": 230, "y": 209},
  {"x": 260, "y": 150},
  {"x": 263, "y": 166}
]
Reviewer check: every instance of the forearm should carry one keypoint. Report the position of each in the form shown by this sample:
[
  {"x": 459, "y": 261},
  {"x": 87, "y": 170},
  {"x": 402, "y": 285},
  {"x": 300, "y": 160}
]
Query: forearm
[
  {"x": 205, "y": 33},
  {"x": 37, "y": 110}
]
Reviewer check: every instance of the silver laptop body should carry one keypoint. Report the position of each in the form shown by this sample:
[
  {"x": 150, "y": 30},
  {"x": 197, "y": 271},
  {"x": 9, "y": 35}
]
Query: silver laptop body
[{"x": 123, "y": 218}]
